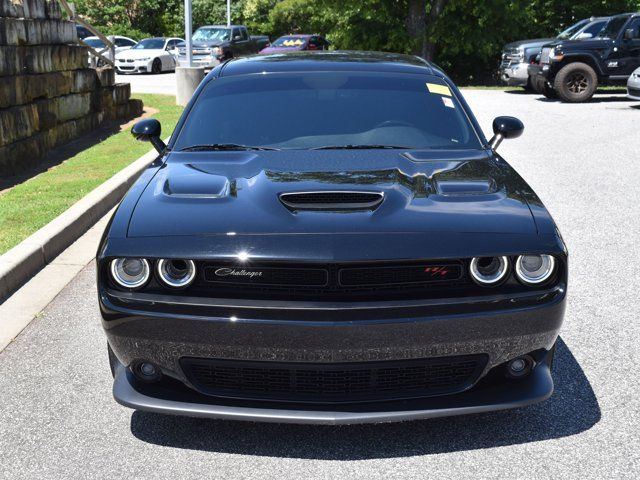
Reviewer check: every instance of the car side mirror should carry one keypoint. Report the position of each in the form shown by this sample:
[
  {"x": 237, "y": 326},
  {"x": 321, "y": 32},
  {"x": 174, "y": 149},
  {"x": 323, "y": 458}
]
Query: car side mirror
[
  {"x": 629, "y": 34},
  {"x": 149, "y": 131},
  {"x": 237, "y": 38},
  {"x": 584, "y": 36},
  {"x": 505, "y": 128}
]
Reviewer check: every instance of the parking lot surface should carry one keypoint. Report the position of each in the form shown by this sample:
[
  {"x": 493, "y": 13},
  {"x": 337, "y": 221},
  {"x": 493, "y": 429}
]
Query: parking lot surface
[{"x": 58, "y": 419}]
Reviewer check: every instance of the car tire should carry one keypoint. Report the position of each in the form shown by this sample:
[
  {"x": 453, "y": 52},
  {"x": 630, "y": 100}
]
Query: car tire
[
  {"x": 576, "y": 83},
  {"x": 156, "y": 66}
]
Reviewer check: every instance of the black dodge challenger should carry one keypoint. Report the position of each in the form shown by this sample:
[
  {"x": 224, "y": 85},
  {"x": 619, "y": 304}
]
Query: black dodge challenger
[{"x": 328, "y": 237}]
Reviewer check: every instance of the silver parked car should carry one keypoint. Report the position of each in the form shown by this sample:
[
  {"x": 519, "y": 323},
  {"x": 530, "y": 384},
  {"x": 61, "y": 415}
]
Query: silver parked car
[
  {"x": 517, "y": 56},
  {"x": 633, "y": 85}
]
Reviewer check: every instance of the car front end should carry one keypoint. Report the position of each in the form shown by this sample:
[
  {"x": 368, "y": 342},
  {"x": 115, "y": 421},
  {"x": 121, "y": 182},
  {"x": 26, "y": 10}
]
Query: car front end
[
  {"x": 633, "y": 85},
  {"x": 128, "y": 64},
  {"x": 307, "y": 278},
  {"x": 513, "y": 70},
  {"x": 207, "y": 56}
]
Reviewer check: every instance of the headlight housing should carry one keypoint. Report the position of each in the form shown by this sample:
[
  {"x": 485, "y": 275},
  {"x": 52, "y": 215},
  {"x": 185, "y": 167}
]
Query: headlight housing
[
  {"x": 215, "y": 50},
  {"x": 130, "y": 273},
  {"x": 489, "y": 271},
  {"x": 535, "y": 269},
  {"x": 176, "y": 273},
  {"x": 555, "y": 55},
  {"x": 145, "y": 59}
]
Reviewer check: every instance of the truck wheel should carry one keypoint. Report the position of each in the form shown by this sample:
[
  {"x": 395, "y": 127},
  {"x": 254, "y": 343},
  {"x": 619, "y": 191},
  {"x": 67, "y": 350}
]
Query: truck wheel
[{"x": 576, "y": 82}]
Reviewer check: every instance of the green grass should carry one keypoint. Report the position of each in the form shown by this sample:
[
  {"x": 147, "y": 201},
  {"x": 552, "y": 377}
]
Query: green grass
[{"x": 30, "y": 205}]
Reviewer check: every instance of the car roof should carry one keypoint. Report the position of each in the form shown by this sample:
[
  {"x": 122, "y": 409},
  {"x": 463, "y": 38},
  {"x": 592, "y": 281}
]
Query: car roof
[{"x": 330, "y": 61}]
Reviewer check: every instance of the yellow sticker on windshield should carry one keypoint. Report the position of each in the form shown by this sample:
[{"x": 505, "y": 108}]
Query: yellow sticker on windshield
[{"x": 439, "y": 89}]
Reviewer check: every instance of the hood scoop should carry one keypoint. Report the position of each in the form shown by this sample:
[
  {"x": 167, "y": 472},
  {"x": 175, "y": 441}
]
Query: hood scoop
[{"x": 332, "y": 200}]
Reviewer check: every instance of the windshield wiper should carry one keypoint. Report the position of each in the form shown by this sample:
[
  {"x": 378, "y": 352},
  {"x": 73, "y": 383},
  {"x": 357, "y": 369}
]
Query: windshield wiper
[
  {"x": 221, "y": 147},
  {"x": 361, "y": 147}
]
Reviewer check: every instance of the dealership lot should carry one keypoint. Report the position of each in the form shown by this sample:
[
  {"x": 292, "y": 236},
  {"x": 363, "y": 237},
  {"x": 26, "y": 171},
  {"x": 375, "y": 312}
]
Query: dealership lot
[{"x": 58, "y": 419}]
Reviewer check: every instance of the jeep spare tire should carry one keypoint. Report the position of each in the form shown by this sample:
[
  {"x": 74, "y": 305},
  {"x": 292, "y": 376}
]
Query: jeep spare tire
[{"x": 576, "y": 82}]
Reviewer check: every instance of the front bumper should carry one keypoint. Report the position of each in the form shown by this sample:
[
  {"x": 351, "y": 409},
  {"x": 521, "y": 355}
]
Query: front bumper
[
  {"x": 206, "y": 61},
  {"x": 514, "y": 74},
  {"x": 140, "y": 327},
  {"x": 136, "y": 66},
  {"x": 535, "y": 388},
  {"x": 633, "y": 87}
]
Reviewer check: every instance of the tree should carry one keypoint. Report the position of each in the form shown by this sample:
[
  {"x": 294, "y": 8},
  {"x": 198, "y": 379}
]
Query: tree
[{"x": 420, "y": 23}]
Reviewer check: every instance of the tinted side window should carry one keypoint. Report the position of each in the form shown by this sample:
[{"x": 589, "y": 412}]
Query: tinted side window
[
  {"x": 635, "y": 26},
  {"x": 244, "y": 34},
  {"x": 235, "y": 33}
]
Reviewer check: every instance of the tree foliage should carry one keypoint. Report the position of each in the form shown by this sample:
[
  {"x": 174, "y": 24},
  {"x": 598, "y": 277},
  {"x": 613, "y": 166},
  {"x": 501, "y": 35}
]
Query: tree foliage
[{"x": 464, "y": 36}]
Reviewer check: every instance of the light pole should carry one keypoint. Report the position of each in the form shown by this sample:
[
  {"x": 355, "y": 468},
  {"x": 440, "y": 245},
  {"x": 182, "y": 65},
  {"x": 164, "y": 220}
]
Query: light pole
[
  {"x": 188, "y": 76},
  {"x": 228, "y": 13},
  {"x": 188, "y": 31}
]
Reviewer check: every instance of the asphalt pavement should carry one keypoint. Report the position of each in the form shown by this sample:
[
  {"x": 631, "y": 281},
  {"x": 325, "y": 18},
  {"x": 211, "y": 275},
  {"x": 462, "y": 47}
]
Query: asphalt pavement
[{"x": 58, "y": 419}]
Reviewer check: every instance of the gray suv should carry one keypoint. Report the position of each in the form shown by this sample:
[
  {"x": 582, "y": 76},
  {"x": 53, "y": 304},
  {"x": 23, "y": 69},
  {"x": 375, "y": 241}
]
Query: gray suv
[{"x": 517, "y": 56}]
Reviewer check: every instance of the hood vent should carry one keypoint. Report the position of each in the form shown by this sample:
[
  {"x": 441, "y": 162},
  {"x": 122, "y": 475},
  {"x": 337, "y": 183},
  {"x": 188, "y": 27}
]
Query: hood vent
[{"x": 332, "y": 200}]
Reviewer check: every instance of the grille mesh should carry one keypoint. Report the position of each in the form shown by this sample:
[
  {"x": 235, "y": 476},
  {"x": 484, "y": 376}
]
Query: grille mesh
[
  {"x": 342, "y": 383},
  {"x": 331, "y": 200}
]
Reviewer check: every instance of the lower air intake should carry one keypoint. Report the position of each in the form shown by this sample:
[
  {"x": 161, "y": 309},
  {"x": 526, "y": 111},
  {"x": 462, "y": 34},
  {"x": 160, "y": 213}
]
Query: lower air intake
[{"x": 334, "y": 383}]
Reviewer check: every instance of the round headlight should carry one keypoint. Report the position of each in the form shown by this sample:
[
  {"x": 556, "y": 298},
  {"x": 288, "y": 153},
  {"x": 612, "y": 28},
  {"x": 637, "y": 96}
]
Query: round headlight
[
  {"x": 489, "y": 270},
  {"x": 535, "y": 269},
  {"x": 176, "y": 273},
  {"x": 130, "y": 272}
]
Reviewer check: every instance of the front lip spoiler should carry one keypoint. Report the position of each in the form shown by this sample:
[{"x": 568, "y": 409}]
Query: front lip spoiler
[{"x": 538, "y": 387}]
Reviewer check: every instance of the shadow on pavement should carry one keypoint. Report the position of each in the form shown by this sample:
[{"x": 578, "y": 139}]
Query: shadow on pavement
[
  {"x": 572, "y": 409},
  {"x": 599, "y": 98}
]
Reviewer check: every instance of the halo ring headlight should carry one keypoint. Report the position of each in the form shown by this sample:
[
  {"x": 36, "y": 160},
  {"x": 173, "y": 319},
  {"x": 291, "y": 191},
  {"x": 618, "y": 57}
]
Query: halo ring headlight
[
  {"x": 535, "y": 269},
  {"x": 489, "y": 270},
  {"x": 176, "y": 273},
  {"x": 130, "y": 272}
]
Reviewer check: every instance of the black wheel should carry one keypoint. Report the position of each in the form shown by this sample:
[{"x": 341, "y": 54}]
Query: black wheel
[
  {"x": 576, "y": 82},
  {"x": 156, "y": 66}
]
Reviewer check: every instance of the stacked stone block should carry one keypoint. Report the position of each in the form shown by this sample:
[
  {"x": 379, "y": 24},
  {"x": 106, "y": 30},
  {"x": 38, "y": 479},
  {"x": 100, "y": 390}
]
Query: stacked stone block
[{"x": 48, "y": 95}]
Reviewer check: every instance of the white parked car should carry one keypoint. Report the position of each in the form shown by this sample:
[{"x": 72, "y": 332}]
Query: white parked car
[
  {"x": 633, "y": 85},
  {"x": 121, "y": 44},
  {"x": 151, "y": 55}
]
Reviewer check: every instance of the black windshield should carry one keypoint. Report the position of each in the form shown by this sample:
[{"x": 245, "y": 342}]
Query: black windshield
[
  {"x": 150, "y": 44},
  {"x": 314, "y": 110}
]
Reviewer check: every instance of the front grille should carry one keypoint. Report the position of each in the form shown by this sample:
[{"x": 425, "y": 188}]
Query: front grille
[
  {"x": 330, "y": 281},
  {"x": 332, "y": 200},
  {"x": 333, "y": 383}
]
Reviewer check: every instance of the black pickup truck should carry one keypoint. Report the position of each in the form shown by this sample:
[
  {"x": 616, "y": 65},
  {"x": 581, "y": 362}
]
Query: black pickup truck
[
  {"x": 213, "y": 44},
  {"x": 573, "y": 69}
]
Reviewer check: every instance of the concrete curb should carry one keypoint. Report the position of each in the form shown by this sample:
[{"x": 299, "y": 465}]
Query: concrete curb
[{"x": 27, "y": 258}]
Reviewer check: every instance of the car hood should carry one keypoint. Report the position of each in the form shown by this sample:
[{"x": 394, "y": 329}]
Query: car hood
[
  {"x": 238, "y": 193},
  {"x": 531, "y": 43},
  {"x": 582, "y": 45},
  {"x": 134, "y": 54}
]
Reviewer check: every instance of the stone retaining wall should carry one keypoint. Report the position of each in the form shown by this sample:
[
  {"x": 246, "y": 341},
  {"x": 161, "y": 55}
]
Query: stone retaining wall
[{"x": 48, "y": 95}]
